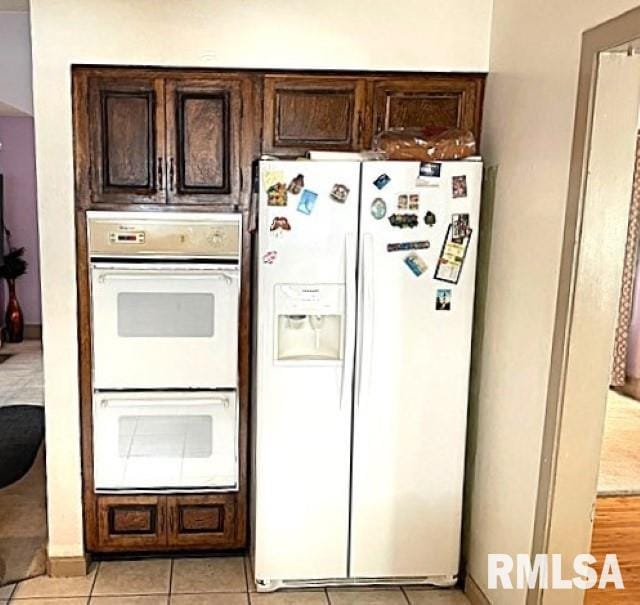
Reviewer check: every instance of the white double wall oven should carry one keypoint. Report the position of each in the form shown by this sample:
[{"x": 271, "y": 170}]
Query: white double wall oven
[{"x": 165, "y": 293}]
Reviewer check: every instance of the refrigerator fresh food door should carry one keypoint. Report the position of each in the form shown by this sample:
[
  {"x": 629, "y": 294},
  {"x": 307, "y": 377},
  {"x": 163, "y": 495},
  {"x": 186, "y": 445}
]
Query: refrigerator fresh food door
[
  {"x": 412, "y": 365},
  {"x": 308, "y": 215}
]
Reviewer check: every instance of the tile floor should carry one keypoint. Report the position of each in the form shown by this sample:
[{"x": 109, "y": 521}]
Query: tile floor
[
  {"x": 21, "y": 379},
  {"x": 199, "y": 581}
]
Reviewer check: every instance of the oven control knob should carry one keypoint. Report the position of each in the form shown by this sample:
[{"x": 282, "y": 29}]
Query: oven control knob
[{"x": 215, "y": 238}]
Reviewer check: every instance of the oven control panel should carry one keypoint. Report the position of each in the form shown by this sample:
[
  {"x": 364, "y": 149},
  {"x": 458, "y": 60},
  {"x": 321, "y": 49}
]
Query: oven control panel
[{"x": 165, "y": 235}]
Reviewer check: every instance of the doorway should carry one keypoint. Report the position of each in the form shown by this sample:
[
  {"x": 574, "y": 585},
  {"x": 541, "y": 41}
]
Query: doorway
[{"x": 596, "y": 227}]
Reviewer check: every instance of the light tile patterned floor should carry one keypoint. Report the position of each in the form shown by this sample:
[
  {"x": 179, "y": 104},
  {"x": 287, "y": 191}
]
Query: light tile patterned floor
[
  {"x": 199, "y": 581},
  {"x": 21, "y": 378}
]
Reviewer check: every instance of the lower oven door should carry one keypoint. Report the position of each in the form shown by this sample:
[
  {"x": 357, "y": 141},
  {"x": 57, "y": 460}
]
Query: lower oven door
[
  {"x": 164, "y": 325},
  {"x": 165, "y": 441}
]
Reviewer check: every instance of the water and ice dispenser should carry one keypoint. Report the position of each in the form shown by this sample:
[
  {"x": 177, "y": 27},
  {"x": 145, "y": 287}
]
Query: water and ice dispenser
[{"x": 309, "y": 322}]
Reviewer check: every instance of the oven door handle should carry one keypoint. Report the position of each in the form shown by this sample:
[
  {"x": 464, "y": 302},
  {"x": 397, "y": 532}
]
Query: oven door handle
[
  {"x": 122, "y": 274},
  {"x": 149, "y": 401}
]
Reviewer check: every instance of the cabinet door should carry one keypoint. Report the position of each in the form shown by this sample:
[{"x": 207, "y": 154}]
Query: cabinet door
[
  {"x": 203, "y": 140},
  {"x": 127, "y": 133},
  {"x": 201, "y": 521},
  {"x": 427, "y": 101},
  {"x": 302, "y": 113},
  {"x": 131, "y": 522}
]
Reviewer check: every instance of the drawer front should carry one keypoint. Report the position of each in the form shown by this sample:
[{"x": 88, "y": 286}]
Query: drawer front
[
  {"x": 136, "y": 523},
  {"x": 201, "y": 521}
]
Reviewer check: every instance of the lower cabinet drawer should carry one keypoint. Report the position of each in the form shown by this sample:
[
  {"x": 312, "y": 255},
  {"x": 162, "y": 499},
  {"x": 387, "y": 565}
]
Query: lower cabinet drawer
[
  {"x": 201, "y": 521},
  {"x": 135, "y": 523}
]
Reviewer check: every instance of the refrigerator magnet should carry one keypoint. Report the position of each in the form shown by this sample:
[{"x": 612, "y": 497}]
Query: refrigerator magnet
[
  {"x": 271, "y": 177},
  {"x": 430, "y": 219},
  {"x": 443, "y": 300},
  {"x": 339, "y": 193},
  {"x": 279, "y": 226},
  {"x": 421, "y": 245},
  {"x": 414, "y": 202},
  {"x": 452, "y": 258},
  {"x": 404, "y": 220},
  {"x": 307, "y": 202},
  {"x": 429, "y": 170},
  {"x": 403, "y": 201},
  {"x": 277, "y": 195},
  {"x": 378, "y": 208},
  {"x": 382, "y": 181},
  {"x": 459, "y": 186},
  {"x": 270, "y": 257},
  {"x": 296, "y": 185},
  {"x": 417, "y": 265},
  {"x": 460, "y": 228}
]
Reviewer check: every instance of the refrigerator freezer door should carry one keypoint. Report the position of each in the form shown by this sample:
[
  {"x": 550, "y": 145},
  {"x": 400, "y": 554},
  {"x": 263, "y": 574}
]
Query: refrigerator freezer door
[
  {"x": 412, "y": 372},
  {"x": 306, "y": 301}
]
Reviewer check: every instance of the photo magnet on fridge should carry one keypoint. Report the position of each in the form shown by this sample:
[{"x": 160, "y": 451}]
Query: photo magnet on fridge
[
  {"x": 279, "y": 225},
  {"x": 307, "y": 202},
  {"x": 277, "y": 195},
  {"x": 417, "y": 265},
  {"x": 414, "y": 202},
  {"x": 443, "y": 300},
  {"x": 429, "y": 169},
  {"x": 460, "y": 228},
  {"x": 382, "y": 181},
  {"x": 339, "y": 193},
  {"x": 459, "y": 186},
  {"x": 296, "y": 185},
  {"x": 378, "y": 208},
  {"x": 422, "y": 245},
  {"x": 404, "y": 220},
  {"x": 403, "y": 201},
  {"x": 271, "y": 177}
]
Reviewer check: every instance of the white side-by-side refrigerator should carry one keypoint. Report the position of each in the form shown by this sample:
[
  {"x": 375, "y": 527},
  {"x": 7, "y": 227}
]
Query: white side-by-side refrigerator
[{"x": 365, "y": 297}]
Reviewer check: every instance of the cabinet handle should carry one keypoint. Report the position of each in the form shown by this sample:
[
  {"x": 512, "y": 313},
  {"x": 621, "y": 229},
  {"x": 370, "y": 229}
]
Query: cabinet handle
[
  {"x": 171, "y": 521},
  {"x": 359, "y": 129},
  {"x": 172, "y": 175},
  {"x": 160, "y": 174}
]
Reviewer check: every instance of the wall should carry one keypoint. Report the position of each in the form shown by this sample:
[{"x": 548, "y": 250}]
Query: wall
[
  {"x": 17, "y": 163},
  {"x": 338, "y": 34},
  {"x": 529, "y": 112},
  {"x": 15, "y": 63}
]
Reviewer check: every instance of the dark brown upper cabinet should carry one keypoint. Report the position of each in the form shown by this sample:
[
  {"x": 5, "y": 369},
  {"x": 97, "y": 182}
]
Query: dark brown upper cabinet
[
  {"x": 428, "y": 101},
  {"x": 203, "y": 140},
  {"x": 165, "y": 138},
  {"x": 312, "y": 112},
  {"x": 126, "y": 130}
]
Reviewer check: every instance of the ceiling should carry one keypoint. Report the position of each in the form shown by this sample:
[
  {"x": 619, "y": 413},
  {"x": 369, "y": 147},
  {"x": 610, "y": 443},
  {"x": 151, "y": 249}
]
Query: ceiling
[{"x": 14, "y": 6}]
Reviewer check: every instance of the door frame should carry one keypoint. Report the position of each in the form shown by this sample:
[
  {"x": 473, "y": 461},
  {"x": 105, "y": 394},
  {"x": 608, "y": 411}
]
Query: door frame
[{"x": 560, "y": 522}]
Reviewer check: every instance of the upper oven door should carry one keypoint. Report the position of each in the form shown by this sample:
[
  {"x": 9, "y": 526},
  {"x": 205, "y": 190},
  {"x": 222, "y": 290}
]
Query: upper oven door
[{"x": 164, "y": 325}]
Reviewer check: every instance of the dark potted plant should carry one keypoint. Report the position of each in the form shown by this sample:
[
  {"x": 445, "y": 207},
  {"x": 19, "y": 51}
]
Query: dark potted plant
[{"x": 11, "y": 269}]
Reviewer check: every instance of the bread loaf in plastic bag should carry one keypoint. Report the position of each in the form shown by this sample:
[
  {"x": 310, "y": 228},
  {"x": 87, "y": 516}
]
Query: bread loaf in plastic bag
[{"x": 425, "y": 144}]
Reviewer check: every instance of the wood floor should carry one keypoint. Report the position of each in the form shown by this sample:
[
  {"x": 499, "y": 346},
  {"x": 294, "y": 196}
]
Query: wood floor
[{"x": 616, "y": 530}]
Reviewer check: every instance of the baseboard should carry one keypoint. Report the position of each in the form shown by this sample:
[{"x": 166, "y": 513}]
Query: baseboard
[
  {"x": 474, "y": 592},
  {"x": 68, "y": 567},
  {"x": 33, "y": 332}
]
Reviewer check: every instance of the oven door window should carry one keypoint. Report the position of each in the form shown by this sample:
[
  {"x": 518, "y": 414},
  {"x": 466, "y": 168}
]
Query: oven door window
[
  {"x": 165, "y": 315},
  {"x": 175, "y": 327},
  {"x": 165, "y": 441}
]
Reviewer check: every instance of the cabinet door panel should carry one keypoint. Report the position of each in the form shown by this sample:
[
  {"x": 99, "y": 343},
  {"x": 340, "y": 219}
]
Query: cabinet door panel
[
  {"x": 202, "y": 521},
  {"x": 127, "y": 121},
  {"x": 204, "y": 140},
  {"x": 428, "y": 101},
  {"x": 131, "y": 522},
  {"x": 302, "y": 113}
]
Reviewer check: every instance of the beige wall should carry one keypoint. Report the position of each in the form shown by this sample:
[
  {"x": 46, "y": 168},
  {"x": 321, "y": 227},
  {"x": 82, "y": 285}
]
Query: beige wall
[
  {"x": 15, "y": 62},
  {"x": 406, "y": 34},
  {"x": 529, "y": 113}
]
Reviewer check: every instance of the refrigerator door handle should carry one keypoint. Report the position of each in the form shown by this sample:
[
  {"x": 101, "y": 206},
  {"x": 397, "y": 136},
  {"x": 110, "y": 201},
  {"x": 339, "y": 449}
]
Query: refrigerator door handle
[
  {"x": 349, "y": 315},
  {"x": 365, "y": 323}
]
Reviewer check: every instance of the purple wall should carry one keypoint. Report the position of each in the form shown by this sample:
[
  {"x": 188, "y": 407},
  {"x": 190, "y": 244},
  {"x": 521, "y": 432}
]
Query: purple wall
[{"x": 18, "y": 164}]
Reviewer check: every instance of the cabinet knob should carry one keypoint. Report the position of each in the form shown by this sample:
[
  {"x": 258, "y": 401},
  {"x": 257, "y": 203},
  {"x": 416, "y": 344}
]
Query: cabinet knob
[{"x": 172, "y": 175}]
